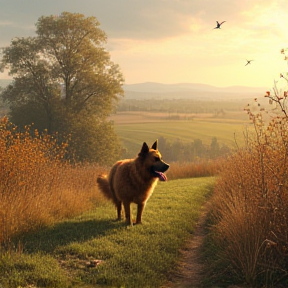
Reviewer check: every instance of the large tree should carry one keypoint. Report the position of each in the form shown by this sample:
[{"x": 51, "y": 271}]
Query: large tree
[{"x": 64, "y": 81}]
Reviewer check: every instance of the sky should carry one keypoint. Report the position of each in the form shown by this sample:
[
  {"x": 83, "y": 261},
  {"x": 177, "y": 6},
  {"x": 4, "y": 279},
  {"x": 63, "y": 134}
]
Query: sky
[{"x": 174, "y": 41}]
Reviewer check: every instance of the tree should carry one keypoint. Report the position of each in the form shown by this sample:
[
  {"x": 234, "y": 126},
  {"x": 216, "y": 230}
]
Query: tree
[
  {"x": 63, "y": 79},
  {"x": 214, "y": 148}
]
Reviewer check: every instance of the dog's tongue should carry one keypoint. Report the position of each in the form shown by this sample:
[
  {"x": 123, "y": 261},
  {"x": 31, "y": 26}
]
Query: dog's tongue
[{"x": 161, "y": 176}]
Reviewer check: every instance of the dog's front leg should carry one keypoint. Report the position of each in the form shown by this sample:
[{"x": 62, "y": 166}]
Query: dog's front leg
[
  {"x": 127, "y": 211},
  {"x": 140, "y": 208}
]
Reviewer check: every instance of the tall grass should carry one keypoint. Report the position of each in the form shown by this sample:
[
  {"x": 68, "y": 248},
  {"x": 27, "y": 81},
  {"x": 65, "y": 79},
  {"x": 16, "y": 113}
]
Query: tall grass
[
  {"x": 37, "y": 187},
  {"x": 201, "y": 168},
  {"x": 250, "y": 205}
]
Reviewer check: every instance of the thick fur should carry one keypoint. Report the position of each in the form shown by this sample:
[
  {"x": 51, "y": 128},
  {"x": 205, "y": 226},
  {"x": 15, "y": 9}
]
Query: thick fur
[{"x": 133, "y": 180}]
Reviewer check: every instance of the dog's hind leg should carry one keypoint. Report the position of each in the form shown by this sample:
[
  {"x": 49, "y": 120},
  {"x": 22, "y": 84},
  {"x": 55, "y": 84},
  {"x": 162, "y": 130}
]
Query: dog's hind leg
[
  {"x": 127, "y": 211},
  {"x": 119, "y": 207},
  {"x": 140, "y": 208}
]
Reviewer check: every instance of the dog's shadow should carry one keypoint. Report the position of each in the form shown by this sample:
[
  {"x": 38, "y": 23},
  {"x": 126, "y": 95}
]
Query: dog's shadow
[{"x": 48, "y": 239}]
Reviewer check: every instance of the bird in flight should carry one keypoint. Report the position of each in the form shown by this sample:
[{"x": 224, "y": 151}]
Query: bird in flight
[
  {"x": 248, "y": 62},
  {"x": 219, "y": 24}
]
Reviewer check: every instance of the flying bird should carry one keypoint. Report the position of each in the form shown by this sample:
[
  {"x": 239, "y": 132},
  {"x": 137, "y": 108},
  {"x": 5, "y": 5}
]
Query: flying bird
[
  {"x": 248, "y": 62},
  {"x": 219, "y": 24}
]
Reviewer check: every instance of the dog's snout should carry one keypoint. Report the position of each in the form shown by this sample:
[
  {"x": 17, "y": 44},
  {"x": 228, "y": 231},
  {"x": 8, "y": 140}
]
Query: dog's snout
[{"x": 166, "y": 166}]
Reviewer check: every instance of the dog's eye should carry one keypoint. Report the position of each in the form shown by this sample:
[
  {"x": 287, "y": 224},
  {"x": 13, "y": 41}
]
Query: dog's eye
[{"x": 157, "y": 158}]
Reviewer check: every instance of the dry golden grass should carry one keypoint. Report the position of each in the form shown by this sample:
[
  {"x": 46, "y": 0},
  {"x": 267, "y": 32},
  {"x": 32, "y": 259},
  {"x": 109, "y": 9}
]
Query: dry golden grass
[
  {"x": 250, "y": 206},
  {"x": 201, "y": 168},
  {"x": 37, "y": 187}
]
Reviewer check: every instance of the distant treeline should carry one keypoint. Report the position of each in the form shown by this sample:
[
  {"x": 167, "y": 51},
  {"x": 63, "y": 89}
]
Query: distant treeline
[
  {"x": 192, "y": 151},
  {"x": 178, "y": 151},
  {"x": 181, "y": 105}
]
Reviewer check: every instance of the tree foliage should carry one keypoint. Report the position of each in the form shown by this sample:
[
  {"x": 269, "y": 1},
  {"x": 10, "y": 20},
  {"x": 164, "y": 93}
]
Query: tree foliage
[{"x": 64, "y": 80}]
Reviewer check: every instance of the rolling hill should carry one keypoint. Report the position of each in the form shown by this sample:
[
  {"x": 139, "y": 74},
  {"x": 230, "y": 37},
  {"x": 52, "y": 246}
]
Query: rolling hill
[
  {"x": 197, "y": 91},
  {"x": 152, "y": 90}
]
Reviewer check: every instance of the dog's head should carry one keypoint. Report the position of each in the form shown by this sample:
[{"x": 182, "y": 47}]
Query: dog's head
[{"x": 153, "y": 161}]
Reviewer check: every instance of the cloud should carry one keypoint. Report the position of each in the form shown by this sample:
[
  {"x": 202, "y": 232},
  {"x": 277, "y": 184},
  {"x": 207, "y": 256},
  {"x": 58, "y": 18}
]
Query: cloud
[
  {"x": 171, "y": 38},
  {"x": 6, "y": 23},
  {"x": 137, "y": 19},
  {"x": 163, "y": 18}
]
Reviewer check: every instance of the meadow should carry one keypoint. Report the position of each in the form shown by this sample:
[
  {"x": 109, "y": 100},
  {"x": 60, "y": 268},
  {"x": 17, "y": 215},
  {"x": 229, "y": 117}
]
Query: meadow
[
  {"x": 247, "y": 239},
  {"x": 60, "y": 255},
  {"x": 57, "y": 230},
  {"x": 54, "y": 221}
]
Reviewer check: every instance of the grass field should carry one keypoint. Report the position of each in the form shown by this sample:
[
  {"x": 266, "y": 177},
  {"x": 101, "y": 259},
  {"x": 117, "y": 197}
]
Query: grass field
[
  {"x": 139, "y": 256},
  {"x": 135, "y": 127}
]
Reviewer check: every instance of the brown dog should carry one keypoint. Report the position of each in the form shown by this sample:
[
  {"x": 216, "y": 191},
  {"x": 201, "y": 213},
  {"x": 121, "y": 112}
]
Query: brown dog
[{"x": 133, "y": 180}]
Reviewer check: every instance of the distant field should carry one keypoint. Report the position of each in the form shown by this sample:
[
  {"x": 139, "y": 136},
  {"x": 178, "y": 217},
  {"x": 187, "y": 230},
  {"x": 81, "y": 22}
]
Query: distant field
[{"x": 133, "y": 128}]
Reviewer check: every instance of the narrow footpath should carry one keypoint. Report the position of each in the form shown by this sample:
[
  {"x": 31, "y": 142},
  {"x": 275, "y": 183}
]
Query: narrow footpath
[
  {"x": 189, "y": 273},
  {"x": 190, "y": 270}
]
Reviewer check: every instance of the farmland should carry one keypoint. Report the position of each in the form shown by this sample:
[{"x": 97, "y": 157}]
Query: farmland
[{"x": 134, "y": 127}]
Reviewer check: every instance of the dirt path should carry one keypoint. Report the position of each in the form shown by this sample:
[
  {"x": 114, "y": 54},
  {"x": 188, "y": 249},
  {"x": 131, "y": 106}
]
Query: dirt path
[{"x": 190, "y": 269}]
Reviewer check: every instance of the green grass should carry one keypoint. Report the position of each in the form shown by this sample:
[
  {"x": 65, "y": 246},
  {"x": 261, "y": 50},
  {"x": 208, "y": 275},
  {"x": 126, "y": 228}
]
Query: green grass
[{"x": 133, "y": 256}]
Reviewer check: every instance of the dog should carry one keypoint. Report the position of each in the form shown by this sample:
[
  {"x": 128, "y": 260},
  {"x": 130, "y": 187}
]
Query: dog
[{"x": 133, "y": 180}]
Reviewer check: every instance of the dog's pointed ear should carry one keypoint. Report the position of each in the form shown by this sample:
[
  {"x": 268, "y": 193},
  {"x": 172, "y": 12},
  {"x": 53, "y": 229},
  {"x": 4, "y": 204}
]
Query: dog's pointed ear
[
  {"x": 144, "y": 149},
  {"x": 155, "y": 145}
]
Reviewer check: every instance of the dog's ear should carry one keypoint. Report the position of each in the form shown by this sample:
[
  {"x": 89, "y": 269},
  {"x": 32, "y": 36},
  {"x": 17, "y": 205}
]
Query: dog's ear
[
  {"x": 144, "y": 150},
  {"x": 155, "y": 145}
]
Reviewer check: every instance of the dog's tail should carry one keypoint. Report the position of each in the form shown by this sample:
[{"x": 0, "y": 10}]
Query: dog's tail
[{"x": 104, "y": 187}]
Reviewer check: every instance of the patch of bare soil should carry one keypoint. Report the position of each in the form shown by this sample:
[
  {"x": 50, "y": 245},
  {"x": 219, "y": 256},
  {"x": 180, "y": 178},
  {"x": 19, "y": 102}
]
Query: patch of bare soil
[{"x": 189, "y": 272}]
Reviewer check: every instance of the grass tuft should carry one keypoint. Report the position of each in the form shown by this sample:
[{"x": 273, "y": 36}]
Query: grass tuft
[{"x": 22, "y": 270}]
